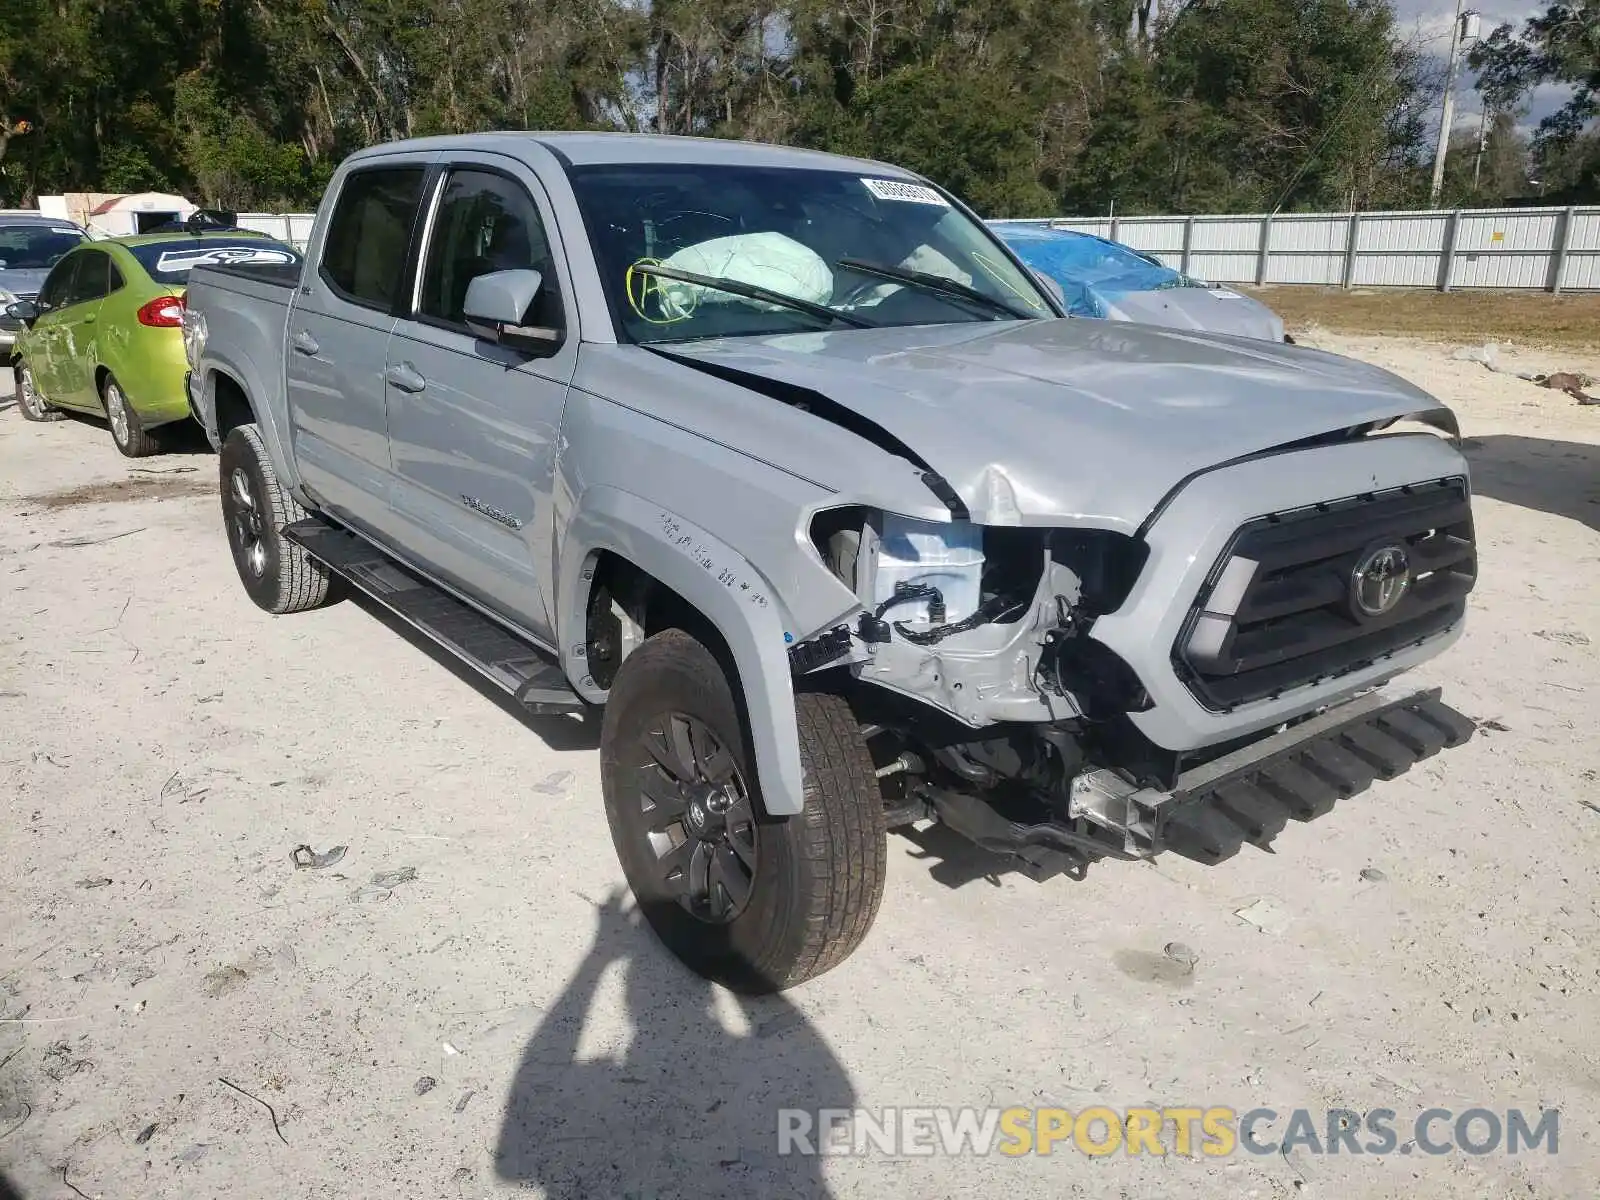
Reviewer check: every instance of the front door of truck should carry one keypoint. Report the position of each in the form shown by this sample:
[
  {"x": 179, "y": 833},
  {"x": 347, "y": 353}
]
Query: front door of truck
[
  {"x": 473, "y": 425},
  {"x": 338, "y": 340}
]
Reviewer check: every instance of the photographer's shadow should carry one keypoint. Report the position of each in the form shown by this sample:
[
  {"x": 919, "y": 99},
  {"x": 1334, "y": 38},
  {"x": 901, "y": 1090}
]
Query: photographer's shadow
[{"x": 689, "y": 1107}]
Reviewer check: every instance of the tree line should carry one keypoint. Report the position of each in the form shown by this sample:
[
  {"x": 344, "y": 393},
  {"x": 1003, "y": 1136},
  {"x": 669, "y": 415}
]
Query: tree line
[{"x": 1024, "y": 107}]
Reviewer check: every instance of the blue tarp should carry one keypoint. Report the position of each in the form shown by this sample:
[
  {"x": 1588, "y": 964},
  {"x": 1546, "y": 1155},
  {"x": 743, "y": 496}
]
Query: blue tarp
[{"x": 1091, "y": 271}]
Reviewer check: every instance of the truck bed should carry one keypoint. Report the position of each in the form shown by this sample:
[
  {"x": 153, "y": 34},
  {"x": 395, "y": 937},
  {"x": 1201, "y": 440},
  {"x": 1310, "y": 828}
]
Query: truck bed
[
  {"x": 245, "y": 309},
  {"x": 277, "y": 275}
]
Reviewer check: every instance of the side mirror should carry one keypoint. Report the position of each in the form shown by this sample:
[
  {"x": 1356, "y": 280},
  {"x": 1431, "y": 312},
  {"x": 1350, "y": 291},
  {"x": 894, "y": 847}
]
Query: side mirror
[
  {"x": 1051, "y": 286},
  {"x": 496, "y": 305},
  {"x": 25, "y": 312}
]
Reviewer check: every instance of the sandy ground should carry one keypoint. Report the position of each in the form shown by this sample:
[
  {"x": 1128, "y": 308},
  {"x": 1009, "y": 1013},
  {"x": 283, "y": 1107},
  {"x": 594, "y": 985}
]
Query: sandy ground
[
  {"x": 1529, "y": 318},
  {"x": 500, "y": 1022}
]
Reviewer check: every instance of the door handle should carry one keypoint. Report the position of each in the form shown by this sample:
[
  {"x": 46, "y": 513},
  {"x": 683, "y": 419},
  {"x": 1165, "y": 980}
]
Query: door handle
[
  {"x": 404, "y": 377},
  {"x": 304, "y": 343}
]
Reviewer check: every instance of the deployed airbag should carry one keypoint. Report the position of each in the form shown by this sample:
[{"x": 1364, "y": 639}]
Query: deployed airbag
[{"x": 769, "y": 260}]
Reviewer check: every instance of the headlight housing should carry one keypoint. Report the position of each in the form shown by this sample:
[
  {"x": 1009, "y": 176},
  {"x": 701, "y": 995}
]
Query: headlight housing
[{"x": 903, "y": 568}]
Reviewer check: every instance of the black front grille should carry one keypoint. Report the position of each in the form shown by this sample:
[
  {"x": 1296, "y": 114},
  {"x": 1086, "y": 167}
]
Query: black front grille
[{"x": 1294, "y": 618}]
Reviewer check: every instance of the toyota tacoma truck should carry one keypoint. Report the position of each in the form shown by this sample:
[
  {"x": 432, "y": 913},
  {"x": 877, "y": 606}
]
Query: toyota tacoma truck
[{"x": 789, "y": 465}]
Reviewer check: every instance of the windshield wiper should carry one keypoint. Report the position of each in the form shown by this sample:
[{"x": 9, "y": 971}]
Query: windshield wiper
[
  {"x": 751, "y": 291},
  {"x": 934, "y": 283}
]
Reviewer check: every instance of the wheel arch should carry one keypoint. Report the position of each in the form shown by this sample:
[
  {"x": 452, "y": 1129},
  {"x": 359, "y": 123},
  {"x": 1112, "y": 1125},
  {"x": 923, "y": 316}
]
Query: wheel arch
[
  {"x": 230, "y": 404},
  {"x": 226, "y": 397},
  {"x": 682, "y": 574}
]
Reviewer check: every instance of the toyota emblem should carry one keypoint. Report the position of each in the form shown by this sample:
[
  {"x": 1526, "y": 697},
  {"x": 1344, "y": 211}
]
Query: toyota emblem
[{"x": 1380, "y": 581}]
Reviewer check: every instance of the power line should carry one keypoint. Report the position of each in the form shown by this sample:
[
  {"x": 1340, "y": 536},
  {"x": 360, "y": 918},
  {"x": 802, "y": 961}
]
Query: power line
[{"x": 1356, "y": 94}]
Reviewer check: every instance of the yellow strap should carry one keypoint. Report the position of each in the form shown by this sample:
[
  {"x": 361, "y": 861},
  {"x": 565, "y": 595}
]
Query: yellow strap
[{"x": 651, "y": 286}]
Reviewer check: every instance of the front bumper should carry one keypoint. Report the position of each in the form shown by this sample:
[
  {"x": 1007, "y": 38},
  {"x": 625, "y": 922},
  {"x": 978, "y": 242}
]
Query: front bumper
[
  {"x": 1246, "y": 796},
  {"x": 1250, "y": 794}
]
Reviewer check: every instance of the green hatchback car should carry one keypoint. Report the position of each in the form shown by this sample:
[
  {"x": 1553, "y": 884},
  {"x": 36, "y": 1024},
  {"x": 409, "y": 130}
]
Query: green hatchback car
[{"x": 105, "y": 337}]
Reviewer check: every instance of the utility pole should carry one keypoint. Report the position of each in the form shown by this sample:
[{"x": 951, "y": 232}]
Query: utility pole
[
  {"x": 1447, "y": 112},
  {"x": 1483, "y": 144}
]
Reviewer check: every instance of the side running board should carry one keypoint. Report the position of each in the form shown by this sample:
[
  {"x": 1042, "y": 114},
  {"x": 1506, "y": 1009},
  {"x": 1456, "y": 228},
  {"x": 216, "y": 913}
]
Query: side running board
[{"x": 522, "y": 670}]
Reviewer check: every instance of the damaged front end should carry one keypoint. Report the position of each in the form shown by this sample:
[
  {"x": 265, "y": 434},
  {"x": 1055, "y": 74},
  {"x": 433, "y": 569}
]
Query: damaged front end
[
  {"x": 982, "y": 623},
  {"x": 992, "y": 708}
]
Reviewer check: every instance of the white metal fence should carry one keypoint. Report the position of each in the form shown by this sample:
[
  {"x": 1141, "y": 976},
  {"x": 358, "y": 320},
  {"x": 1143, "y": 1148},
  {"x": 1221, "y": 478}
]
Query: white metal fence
[
  {"x": 1554, "y": 249},
  {"x": 294, "y": 228}
]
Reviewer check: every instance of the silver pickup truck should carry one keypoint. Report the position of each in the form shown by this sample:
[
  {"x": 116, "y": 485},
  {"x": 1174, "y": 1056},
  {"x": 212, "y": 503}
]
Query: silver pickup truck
[{"x": 785, "y": 460}]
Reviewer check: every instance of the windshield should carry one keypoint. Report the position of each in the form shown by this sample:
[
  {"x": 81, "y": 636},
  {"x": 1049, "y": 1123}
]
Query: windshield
[
  {"x": 170, "y": 262},
  {"x": 828, "y": 239},
  {"x": 36, "y": 247}
]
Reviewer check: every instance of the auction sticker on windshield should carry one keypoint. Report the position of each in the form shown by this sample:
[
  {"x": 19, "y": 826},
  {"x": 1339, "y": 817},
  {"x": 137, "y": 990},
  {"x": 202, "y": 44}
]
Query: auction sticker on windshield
[{"x": 899, "y": 189}]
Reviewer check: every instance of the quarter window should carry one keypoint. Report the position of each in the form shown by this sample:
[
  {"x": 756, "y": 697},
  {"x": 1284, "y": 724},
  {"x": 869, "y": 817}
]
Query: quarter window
[
  {"x": 485, "y": 223},
  {"x": 368, "y": 234}
]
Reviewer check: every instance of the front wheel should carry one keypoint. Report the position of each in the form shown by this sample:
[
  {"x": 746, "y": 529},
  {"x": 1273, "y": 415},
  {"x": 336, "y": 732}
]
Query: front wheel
[
  {"x": 754, "y": 902},
  {"x": 277, "y": 574},
  {"x": 127, "y": 431},
  {"x": 30, "y": 401}
]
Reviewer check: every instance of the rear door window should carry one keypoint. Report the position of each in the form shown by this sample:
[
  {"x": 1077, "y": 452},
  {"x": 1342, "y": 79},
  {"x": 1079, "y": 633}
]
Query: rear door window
[
  {"x": 169, "y": 263},
  {"x": 369, "y": 232}
]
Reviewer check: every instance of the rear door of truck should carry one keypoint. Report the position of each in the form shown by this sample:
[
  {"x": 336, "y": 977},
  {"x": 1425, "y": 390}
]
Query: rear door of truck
[
  {"x": 352, "y": 289},
  {"x": 473, "y": 424}
]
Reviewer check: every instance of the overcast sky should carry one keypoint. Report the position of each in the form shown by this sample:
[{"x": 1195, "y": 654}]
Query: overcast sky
[{"x": 1431, "y": 20}]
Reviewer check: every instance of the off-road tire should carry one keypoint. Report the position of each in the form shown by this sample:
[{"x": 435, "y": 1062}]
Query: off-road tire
[
  {"x": 281, "y": 577},
  {"x": 819, "y": 875},
  {"x": 129, "y": 434},
  {"x": 39, "y": 409}
]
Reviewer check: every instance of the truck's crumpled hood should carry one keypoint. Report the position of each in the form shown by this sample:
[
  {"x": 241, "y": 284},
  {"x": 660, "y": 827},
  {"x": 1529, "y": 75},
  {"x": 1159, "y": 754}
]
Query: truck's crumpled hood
[{"x": 1073, "y": 421}]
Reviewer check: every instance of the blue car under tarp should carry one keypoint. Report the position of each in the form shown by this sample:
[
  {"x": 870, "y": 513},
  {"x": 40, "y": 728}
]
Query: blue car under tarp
[
  {"x": 1093, "y": 272},
  {"x": 1108, "y": 281}
]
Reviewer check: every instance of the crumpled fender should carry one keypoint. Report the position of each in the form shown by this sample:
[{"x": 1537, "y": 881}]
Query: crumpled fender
[{"x": 710, "y": 575}]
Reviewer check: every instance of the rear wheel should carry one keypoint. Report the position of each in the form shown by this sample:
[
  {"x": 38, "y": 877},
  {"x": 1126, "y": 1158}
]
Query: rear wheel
[
  {"x": 126, "y": 430},
  {"x": 30, "y": 403},
  {"x": 277, "y": 574},
  {"x": 754, "y": 902}
]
